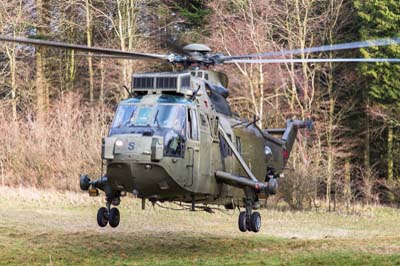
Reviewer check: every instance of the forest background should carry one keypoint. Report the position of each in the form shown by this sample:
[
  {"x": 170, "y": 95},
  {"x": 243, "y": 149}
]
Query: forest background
[{"x": 56, "y": 105}]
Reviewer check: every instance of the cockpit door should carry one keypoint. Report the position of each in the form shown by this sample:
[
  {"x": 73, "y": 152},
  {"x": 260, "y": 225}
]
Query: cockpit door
[{"x": 192, "y": 154}]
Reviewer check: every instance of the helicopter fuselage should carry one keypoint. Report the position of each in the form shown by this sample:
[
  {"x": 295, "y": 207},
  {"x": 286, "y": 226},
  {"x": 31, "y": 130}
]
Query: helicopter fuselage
[
  {"x": 165, "y": 146},
  {"x": 177, "y": 140}
]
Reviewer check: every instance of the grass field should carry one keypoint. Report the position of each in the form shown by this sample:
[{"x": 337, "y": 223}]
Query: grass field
[{"x": 52, "y": 228}]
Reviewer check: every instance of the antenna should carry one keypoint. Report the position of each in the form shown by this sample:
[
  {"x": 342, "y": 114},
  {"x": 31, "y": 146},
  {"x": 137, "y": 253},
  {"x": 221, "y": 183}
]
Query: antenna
[{"x": 128, "y": 91}]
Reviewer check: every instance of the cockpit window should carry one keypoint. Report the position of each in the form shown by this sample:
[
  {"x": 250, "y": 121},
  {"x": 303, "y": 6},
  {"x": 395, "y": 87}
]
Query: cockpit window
[
  {"x": 142, "y": 116},
  {"x": 170, "y": 116},
  {"x": 123, "y": 115},
  {"x": 167, "y": 120}
]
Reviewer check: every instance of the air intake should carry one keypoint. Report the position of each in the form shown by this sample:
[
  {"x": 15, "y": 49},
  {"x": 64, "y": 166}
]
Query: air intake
[
  {"x": 143, "y": 82},
  {"x": 162, "y": 82},
  {"x": 166, "y": 83}
]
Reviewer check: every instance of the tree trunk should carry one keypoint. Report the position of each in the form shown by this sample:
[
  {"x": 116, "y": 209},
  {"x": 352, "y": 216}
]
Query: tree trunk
[
  {"x": 347, "y": 186},
  {"x": 70, "y": 70},
  {"x": 367, "y": 162},
  {"x": 40, "y": 83},
  {"x": 42, "y": 90},
  {"x": 103, "y": 76},
  {"x": 11, "y": 57},
  {"x": 122, "y": 16},
  {"x": 390, "y": 152},
  {"x": 89, "y": 43}
]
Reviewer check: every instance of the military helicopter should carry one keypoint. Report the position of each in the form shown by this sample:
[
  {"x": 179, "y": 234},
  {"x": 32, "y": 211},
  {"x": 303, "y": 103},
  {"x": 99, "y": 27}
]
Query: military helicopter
[{"x": 175, "y": 139}]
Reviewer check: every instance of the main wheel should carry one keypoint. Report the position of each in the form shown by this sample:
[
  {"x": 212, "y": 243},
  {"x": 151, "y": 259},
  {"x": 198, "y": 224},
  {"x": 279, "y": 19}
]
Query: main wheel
[
  {"x": 255, "y": 222},
  {"x": 114, "y": 217},
  {"x": 102, "y": 216},
  {"x": 242, "y": 222}
]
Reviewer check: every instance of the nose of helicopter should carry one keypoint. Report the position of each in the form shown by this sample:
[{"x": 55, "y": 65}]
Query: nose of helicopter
[
  {"x": 139, "y": 177},
  {"x": 134, "y": 165},
  {"x": 133, "y": 147}
]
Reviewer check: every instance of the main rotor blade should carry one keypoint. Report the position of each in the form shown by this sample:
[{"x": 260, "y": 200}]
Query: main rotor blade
[
  {"x": 316, "y": 60},
  {"x": 103, "y": 56},
  {"x": 84, "y": 48},
  {"x": 324, "y": 48}
]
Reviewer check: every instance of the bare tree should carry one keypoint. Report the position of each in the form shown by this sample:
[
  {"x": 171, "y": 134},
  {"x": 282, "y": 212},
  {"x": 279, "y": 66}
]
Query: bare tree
[{"x": 13, "y": 20}]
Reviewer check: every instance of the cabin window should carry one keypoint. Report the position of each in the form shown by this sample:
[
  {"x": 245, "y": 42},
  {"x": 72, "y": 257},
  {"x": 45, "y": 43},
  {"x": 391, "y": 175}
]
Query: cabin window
[
  {"x": 224, "y": 147},
  {"x": 206, "y": 76},
  {"x": 238, "y": 145},
  {"x": 200, "y": 74},
  {"x": 193, "y": 125},
  {"x": 213, "y": 120}
]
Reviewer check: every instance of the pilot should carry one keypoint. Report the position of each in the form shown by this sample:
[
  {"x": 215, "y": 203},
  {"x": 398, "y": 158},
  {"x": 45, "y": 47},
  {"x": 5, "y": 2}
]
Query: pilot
[{"x": 175, "y": 138}]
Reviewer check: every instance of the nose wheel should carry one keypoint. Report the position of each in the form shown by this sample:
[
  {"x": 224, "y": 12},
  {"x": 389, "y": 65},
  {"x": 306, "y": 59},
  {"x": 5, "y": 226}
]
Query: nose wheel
[
  {"x": 108, "y": 215},
  {"x": 114, "y": 217},
  {"x": 102, "y": 217}
]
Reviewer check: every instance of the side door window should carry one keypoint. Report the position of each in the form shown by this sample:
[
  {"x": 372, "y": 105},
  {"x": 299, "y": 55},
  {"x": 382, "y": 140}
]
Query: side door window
[
  {"x": 214, "y": 122},
  {"x": 239, "y": 145},
  {"x": 193, "y": 125}
]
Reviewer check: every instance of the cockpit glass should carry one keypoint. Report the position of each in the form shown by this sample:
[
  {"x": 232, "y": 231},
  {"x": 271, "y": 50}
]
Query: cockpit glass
[
  {"x": 160, "y": 116},
  {"x": 170, "y": 116},
  {"x": 142, "y": 116},
  {"x": 123, "y": 115},
  {"x": 167, "y": 120}
]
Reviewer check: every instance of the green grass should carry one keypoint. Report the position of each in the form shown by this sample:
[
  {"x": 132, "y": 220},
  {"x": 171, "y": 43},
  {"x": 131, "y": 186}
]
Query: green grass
[{"x": 49, "y": 228}]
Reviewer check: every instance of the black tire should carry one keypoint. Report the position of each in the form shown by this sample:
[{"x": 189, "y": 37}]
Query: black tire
[
  {"x": 272, "y": 186},
  {"x": 102, "y": 217},
  {"x": 84, "y": 182},
  {"x": 114, "y": 217},
  {"x": 255, "y": 222},
  {"x": 242, "y": 222}
]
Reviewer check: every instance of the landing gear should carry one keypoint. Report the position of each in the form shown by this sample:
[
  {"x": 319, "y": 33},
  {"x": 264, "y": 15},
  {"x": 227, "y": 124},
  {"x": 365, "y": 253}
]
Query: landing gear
[
  {"x": 114, "y": 217},
  {"x": 242, "y": 222},
  {"x": 102, "y": 216},
  {"x": 252, "y": 224},
  {"x": 105, "y": 215},
  {"x": 109, "y": 215},
  {"x": 248, "y": 220},
  {"x": 255, "y": 222}
]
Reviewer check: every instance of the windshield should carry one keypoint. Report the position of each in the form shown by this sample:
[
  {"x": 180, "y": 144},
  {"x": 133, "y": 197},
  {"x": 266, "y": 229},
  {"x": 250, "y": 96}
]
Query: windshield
[
  {"x": 161, "y": 116},
  {"x": 166, "y": 120},
  {"x": 123, "y": 115}
]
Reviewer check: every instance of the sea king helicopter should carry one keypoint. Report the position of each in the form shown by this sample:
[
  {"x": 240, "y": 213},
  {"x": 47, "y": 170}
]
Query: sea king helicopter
[{"x": 175, "y": 139}]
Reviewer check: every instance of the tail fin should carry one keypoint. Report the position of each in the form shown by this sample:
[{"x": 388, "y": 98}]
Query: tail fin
[
  {"x": 282, "y": 146},
  {"x": 290, "y": 133}
]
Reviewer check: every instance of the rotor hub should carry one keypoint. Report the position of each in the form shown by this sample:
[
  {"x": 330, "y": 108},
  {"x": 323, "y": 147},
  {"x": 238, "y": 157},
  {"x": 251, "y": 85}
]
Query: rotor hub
[{"x": 197, "y": 48}]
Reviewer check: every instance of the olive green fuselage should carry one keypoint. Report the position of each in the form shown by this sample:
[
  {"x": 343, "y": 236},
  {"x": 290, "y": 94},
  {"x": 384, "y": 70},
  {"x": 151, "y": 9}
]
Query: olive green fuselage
[{"x": 132, "y": 167}]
